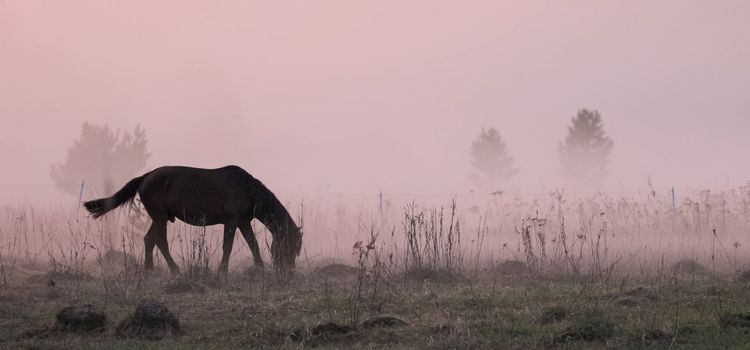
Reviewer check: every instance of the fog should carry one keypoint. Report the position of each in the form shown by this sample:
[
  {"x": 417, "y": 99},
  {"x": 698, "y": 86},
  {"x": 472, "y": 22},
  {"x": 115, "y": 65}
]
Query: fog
[{"x": 348, "y": 97}]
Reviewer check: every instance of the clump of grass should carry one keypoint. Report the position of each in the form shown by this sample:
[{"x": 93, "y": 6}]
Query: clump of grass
[
  {"x": 370, "y": 278},
  {"x": 68, "y": 268},
  {"x": 590, "y": 326},
  {"x": 433, "y": 240},
  {"x": 196, "y": 255},
  {"x": 123, "y": 278},
  {"x": 553, "y": 314}
]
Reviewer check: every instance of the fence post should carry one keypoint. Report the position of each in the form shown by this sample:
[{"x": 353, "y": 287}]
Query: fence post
[{"x": 80, "y": 199}]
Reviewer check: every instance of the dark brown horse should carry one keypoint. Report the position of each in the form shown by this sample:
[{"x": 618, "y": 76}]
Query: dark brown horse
[{"x": 201, "y": 197}]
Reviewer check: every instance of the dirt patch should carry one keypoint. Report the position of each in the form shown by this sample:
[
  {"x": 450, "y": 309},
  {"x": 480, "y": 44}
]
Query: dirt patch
[
  {"x": 151, "y": 320},
  {"x": 336, "y": 270},
  {"x": 80, "y": 318},
  {"x": 382, "y": 321}
]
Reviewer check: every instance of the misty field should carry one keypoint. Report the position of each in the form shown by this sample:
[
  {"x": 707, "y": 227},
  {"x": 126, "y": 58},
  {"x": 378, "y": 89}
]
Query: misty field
[{"x": 631, "y": 270}]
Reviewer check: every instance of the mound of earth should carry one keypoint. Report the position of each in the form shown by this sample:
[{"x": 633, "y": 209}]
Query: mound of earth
[
  {"x": 626, "y": 301},
  {"x": 336, "y": 270},
  {"x": 330, "y": 329},
  {"x": 689, "y": 267},
  {"x": 512, "y": 267},
  {"x": 80, "y": 318},
  {"x": 382, "y": 321},
  {"x": 151, "y": 320}
]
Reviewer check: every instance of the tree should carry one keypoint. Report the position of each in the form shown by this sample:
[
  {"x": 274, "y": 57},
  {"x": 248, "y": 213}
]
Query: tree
[
  {"x": 490, "y": 159},
  {"x": 584, "y": 155},
  {"x": 103, "y": 157}
]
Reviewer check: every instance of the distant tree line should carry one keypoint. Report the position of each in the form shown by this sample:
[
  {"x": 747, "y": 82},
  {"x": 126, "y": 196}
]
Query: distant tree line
[
  {"x": 584, "y": 155},
  {"x": 106, "y": 159}
]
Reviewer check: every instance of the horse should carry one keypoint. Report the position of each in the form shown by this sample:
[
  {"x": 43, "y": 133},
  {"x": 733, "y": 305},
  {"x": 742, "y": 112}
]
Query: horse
[{"x": 203, "y": 197}]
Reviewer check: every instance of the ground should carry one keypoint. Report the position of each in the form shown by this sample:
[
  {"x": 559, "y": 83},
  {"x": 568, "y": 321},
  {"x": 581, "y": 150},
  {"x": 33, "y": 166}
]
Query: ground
[{"x": 481, "y": 308}]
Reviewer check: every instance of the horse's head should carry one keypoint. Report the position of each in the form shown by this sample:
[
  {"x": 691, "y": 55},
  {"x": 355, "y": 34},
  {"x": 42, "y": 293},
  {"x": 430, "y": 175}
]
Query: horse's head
[{"x": 285, "y": 247}]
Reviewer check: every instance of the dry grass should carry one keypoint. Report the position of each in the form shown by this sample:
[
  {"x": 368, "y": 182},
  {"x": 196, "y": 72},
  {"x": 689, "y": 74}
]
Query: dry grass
[
  {"x": 484, "y": 272},
  {"x": 530, "y": 312}
]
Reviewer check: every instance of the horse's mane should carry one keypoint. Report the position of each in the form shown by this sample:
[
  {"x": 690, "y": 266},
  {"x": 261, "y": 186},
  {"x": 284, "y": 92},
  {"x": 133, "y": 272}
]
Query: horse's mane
[
  {"x": 276, "y": 217},
  {"x": 269, "y": 209}
]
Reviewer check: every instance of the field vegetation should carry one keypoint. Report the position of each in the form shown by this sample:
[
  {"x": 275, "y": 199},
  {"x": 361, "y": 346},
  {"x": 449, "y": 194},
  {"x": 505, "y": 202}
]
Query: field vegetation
[{"x": 642, "y": 270}]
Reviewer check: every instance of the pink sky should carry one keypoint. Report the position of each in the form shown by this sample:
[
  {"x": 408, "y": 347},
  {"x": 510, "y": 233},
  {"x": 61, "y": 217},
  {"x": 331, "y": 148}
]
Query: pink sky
[{"x": 344, "y": 96}]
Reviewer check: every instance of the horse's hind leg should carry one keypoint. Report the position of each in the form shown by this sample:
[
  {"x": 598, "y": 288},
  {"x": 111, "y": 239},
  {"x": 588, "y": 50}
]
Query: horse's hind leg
[
  {"x": 149, "y": 241},
  {"x": 159, "y": 235},
  {"x": 249, "y": 235},
  {"x": 229, "y": 231}
]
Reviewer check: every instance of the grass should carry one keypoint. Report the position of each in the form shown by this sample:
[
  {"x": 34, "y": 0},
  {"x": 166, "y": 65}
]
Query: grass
[
  {"x": 488, "y": 312},
  {"x": 569, "y": 273}
]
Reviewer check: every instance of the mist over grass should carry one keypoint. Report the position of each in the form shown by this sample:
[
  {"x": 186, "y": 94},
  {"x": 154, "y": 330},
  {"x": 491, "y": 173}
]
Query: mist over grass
[{"x": 482, "y": 271}]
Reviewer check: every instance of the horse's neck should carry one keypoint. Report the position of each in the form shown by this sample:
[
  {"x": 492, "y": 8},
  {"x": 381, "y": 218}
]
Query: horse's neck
[{"x": 274, "y": 216}]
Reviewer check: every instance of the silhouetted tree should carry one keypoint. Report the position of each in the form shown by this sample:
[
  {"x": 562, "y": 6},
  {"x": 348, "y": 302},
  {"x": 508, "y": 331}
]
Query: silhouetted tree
[
  {"x": 103, "y": 157},
  {"x": 490, "y": 159},
  {"x": 584, "y": 155}
]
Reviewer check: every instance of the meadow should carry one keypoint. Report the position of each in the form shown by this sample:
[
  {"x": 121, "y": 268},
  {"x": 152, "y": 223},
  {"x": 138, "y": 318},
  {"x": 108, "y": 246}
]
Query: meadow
[{"x": 645, "y": 270}]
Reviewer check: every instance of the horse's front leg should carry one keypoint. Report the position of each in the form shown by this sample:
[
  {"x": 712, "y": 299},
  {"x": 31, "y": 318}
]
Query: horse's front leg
[
  {"x": 229, "y": 230},
  {"x": 249, "y": 235}
]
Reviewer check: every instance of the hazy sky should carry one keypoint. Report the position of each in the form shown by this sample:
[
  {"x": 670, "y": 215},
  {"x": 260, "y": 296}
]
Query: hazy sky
[{"x": 353, "y": 96}]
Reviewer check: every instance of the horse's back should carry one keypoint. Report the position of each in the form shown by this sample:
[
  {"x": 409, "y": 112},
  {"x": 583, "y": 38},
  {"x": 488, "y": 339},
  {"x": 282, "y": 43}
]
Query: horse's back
[{"x": 180, "y": 191}]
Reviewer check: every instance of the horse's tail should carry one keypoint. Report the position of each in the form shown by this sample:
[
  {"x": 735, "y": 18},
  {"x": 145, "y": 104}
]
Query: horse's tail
[{"x": 101, "y": 206}]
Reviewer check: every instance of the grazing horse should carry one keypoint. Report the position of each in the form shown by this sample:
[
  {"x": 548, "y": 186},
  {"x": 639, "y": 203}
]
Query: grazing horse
[{"x": 201, "y": 197}]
